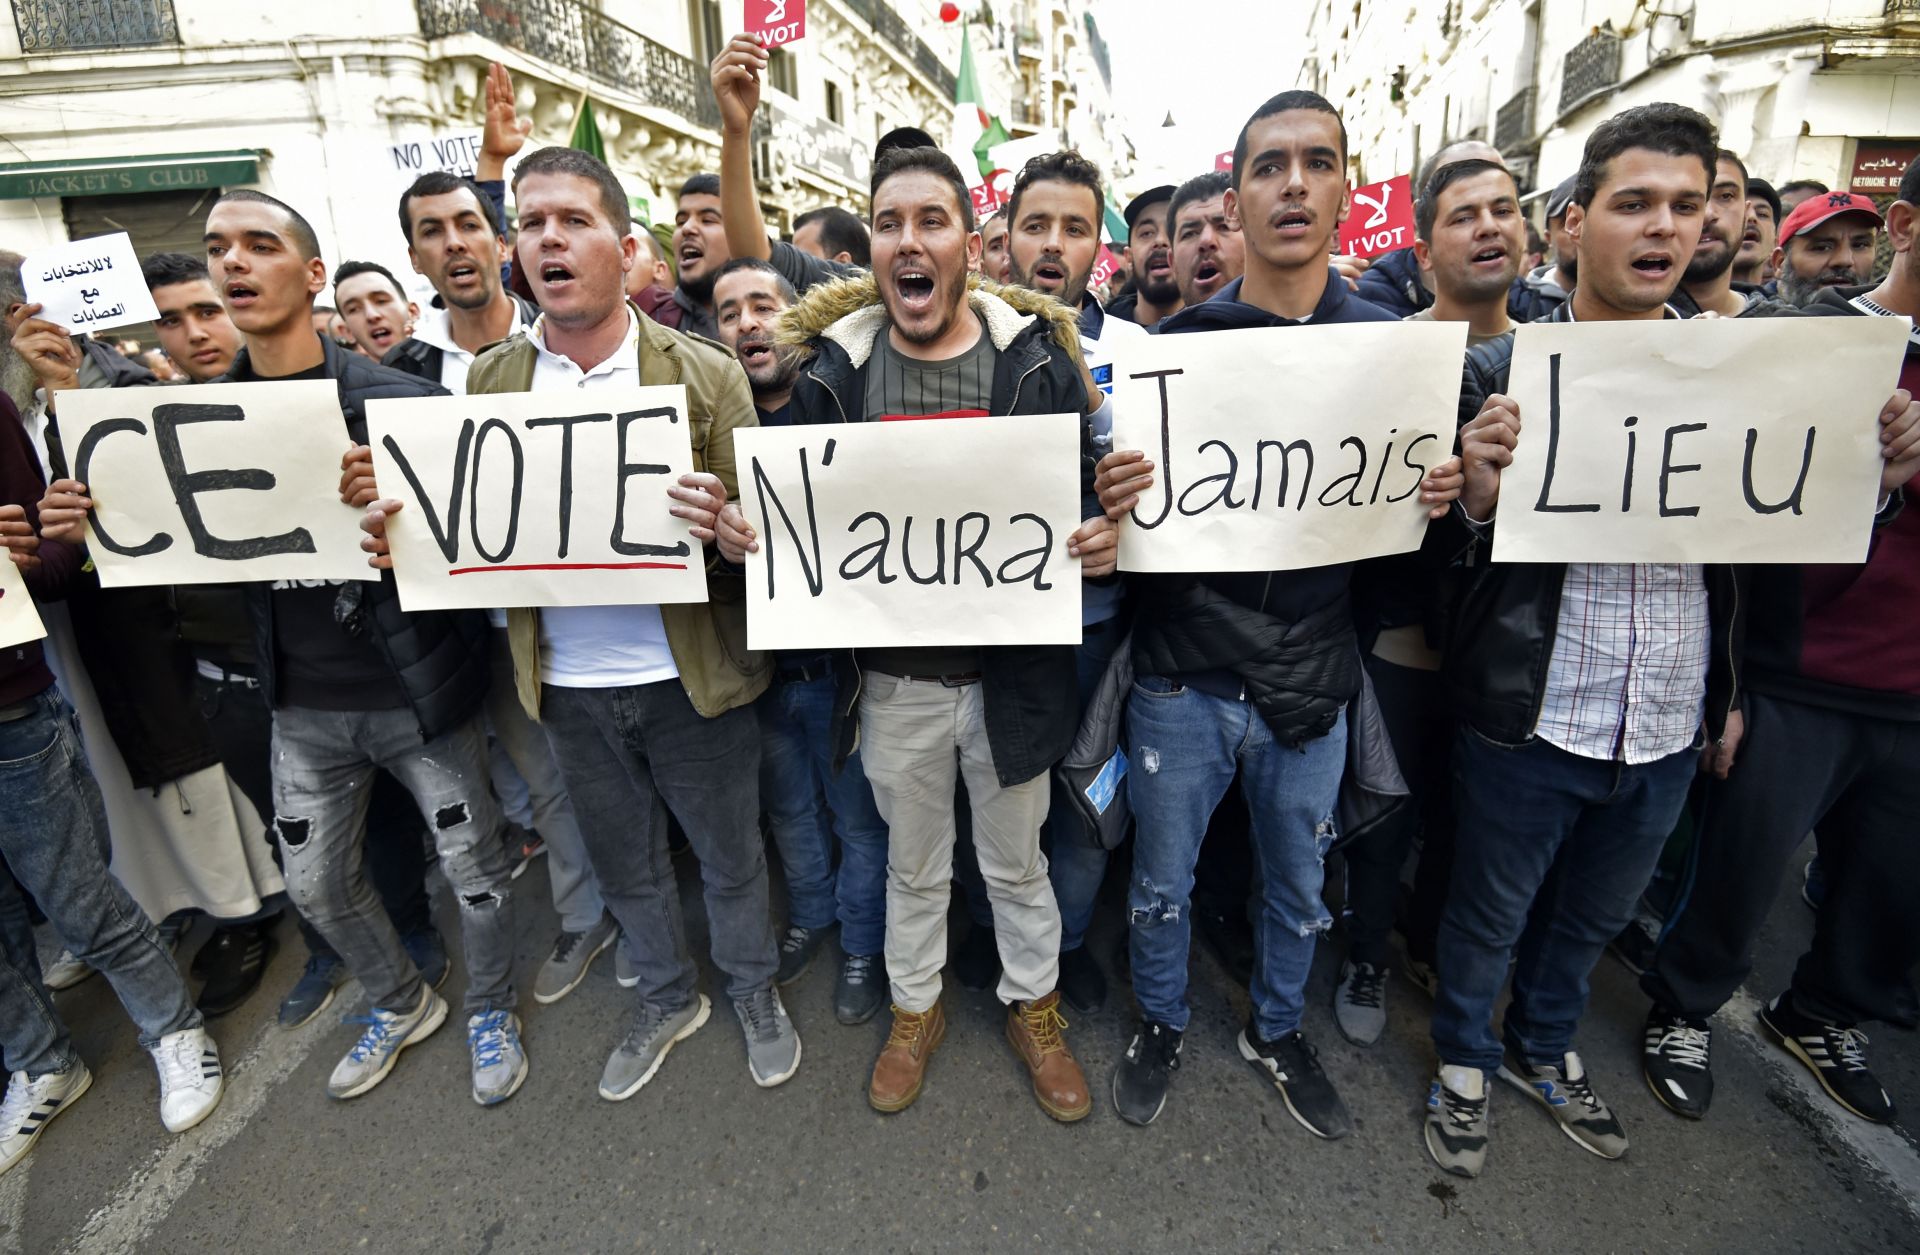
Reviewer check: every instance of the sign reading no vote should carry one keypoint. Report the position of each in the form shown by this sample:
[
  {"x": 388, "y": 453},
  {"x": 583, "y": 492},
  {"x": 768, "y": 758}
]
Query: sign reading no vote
[
  {"x": 1699, "y": 441},
  {"x": 537, "y": 498},
  {"x": 918, "y": 532},
  {"x": 1276, "y": 448},
  {"x": 19, "y": 621},
  {"x": 214, "y": 483}
]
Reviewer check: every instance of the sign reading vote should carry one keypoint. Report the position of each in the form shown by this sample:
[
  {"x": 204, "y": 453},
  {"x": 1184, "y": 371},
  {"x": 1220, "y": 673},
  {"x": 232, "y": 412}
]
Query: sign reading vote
[
  {"x": 214, "y": 483},
  {"x": 1380, "y": 219},
  {"x": 1707, "y": 440},
  {"x": 916, "y": 532},
  {"x": 777, "y": 22},
  {"x": 1276, "y": 448},
  {"x": 89, "y": 285},
  {"x": 537, "y": 498},
  {"x": 19, "y": 621}
]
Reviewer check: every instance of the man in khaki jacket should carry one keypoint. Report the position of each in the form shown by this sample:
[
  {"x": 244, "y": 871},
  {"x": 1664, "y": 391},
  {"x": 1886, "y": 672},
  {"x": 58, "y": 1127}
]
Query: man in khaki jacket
[{"x": 645, "y": 705}]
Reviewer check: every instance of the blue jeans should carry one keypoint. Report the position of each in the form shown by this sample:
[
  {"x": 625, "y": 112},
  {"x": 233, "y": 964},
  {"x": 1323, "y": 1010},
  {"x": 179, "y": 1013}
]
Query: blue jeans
[
  {"x": 53, "y": 837},
  {"x": 1075, "y": 861},
  {"x": 1551, "y": 854},
  {"x": 798, "y": 787},
  {"x": 1184, "y": 747}
]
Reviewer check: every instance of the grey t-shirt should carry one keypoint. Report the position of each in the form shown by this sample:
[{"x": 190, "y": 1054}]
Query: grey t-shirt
[{"x": 901, "y": 388}]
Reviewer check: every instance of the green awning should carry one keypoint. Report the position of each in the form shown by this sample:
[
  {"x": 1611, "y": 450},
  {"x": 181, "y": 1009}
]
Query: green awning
[{"x": 120, "y": 176}]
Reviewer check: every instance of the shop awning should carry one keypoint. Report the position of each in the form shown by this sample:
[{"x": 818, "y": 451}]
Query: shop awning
[{"x": 120, "y": 176}]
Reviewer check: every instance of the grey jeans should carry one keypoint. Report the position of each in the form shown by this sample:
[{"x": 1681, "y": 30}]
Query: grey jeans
[
  {"x": 323, "y": 767},
  {"x": 628, "y": 754}
]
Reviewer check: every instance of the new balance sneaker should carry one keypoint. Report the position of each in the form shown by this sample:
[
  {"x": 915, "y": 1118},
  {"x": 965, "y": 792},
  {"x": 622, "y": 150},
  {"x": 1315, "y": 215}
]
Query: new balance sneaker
[
  {"x": 30, "y": 1105},
  {"x": 1836, "y": 1056},
  {"x": 312, "y": 993},
  {"x": 773, "y": 1048},
  {"x": 499, "y": 1061},
  {"x": 1674, "y": 1057},
  {"x": 626, "y": 973},
  {"x": 1360, "y": 1002},
  {"x": 190, "y": 1077},
  {"x": 1568, "y": 1097},
  {"x": 387, "y": 1033},
  {"x": 797, "y": 949},
  {"x": 1145, "y": 1073},
  {"x": 571, "y": 956},
  {"x": 428, "y": 950},
  {"x": 861, "y": 989},
  {"x": 1456, "y": 1126},
  {"x": 64, "y": 972},
  {"x": 1293, "y": 1065},
  {"x": 653, "y": 1033}
]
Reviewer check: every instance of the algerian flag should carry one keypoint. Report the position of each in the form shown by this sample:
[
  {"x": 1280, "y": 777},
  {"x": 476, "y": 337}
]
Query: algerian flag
[
  {"x": 586, "y": 132},
  {"x": 970, "y": 120},
  {"x": 1116, "y": 221}
]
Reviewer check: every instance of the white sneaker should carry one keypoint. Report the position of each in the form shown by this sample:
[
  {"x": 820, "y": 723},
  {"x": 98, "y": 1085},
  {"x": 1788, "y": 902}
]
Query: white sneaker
[
  {"x": 190, "y": 1078},
  {"x": 387, "y": 1034},
  {"x": 31, "y": 1104},
  {"x": 64, "y": 972}
]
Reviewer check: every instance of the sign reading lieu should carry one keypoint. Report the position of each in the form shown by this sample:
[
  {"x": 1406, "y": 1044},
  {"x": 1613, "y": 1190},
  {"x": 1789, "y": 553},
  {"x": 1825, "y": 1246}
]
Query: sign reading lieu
[
  {"x": 537, "y": 498},
  {"x": 777, "y": 22},
  {"x": 1380, "y": 220},
  {"x": 1697, "y": 441}
]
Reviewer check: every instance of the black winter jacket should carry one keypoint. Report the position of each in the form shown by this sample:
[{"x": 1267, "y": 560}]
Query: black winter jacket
[
  {"x": 439, "y": 657},
  {"x": 1392, "y": 282},
  {"x": 1031, "y": 691},
  {"x": 422, "y": 360}
]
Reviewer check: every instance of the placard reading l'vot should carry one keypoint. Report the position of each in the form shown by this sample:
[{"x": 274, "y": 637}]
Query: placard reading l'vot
[
  {"x": 1700, "y": 441},
  {"x": 214, "y": 483},
  {"x": 928, "y": 532},
  {"x": 1276, "y": 448},
  {"x": 19, "y": 621},
  {"x": 537, "y": 498}
]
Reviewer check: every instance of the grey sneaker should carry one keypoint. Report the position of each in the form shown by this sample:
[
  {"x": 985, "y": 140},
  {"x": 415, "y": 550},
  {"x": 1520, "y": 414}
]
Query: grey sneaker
[
  {"x": 1456, "y": 1129},
  {"x": 653, "y": 1034},
  {"x": 1360, "y": 1002},
  {"x": 387, "y": 1034},
  {"x": 1568, "y": 1098},
  {"x": 626, "y": 973},
  {"x": 797, "y": 949},
  {"x": 573, "y": 954},
  {"x": 773, "y": 1048},
  {"x": 861, "y": 989},
  {"x": 499, "y": 1061}
]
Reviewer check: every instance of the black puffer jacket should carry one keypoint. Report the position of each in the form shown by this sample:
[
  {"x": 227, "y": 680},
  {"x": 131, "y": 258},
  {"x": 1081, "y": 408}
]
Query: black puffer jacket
[
  {"x": 416, "y": 357},
  {"x": 439, "y": 657},
  {"x": 1393, "y": 283}
]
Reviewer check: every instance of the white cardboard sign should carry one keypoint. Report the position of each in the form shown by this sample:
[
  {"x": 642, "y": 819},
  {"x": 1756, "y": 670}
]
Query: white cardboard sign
[
  {"x": 214, "y": 483},
  {"x": 1277, "y": 448},
  {"x": 913, "y": 532},
  {"x": 538, "y": 498},
  {"x": 1708, "y": 440},
  {"x": 19, "y": 621},
  {"x": 89, "y": 285}
]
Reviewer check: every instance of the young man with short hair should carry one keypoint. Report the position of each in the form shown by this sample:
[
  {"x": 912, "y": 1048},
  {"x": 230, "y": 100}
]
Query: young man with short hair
[
  {"x": 1826, "y": 242},
  {"x": 1154, "y": 293},
  {"x": 700, "y": 248},
  {"x": 1540, "y": 292},
  {"x": 1204, "y": 706},
  {"x": 1761, "y": 231},
  {"x": 1706, "y": 286},
  {"x": 1397, "y": 281},
  {"x": 996, "y": 262},
  {"x": 1794, "y": 192},
  {"x": 378, "y": 312},
  {"x": 1468, "y": 236},
  {"x": 1208, "y": 252},
  {"x": 831, "y": 233}
]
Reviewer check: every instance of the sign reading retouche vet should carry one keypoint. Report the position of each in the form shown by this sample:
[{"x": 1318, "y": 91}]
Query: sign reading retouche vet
[
  {"x": 1707, "y": 440},
  {"x": 918, "y": 532},
  {"x": 1276, "y": 448},
  {"x": 214, "y": 483},
  {"x": 538, "y": 498}
]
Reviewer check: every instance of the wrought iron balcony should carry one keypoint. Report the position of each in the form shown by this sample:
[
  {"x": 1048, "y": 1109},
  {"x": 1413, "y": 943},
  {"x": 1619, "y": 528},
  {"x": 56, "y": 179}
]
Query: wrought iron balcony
[
  {"x": 893, "y": 28},
  {"x": 577, "y": 36},
  {"x": 1513, "y": 125},
  {"x": 67, "y": 25},
  {"x": 1903, "y": 8},
  {"x": 1590, "y": 67}
]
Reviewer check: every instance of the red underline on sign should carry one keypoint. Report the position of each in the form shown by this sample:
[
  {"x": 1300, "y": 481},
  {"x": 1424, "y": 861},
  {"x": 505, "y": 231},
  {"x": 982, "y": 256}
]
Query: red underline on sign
[{"x": 575, "y": 566}]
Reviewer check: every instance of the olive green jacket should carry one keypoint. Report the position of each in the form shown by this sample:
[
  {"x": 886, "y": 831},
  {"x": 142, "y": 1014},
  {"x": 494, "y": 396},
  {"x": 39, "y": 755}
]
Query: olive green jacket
[{"x": 708, "y": 639}]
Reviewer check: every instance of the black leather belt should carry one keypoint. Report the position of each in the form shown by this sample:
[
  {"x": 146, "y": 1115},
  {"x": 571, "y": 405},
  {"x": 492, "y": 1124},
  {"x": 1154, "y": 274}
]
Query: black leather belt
[{"x": 958, "y": 679}]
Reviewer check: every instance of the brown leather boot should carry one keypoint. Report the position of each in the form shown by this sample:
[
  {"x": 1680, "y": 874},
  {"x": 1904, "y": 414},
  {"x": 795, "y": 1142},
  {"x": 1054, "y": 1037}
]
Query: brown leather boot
[
  {"x": 902, "y": 1064},
  {"x": 1033, "y": 1030}
]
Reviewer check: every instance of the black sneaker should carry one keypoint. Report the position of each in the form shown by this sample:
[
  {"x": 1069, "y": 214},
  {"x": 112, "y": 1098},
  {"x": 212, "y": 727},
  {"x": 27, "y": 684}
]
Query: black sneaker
[
  {"x": 797, "y": 949},
  {"x": 1836, "y": 1056},
  {"x": 1082, "y": 983},
  {"x": 1634, "y": 946},
  {"x": 861, "y": 988},
  {"x": 1141, "y": 1078},
  {"x": 1674, "y": 1059},
  {"x": 1230, "y": 936},
  {"x": 233, "y": 959},
  {"x": 976, "y": 962},
  {"x": 1293, "y": 1065}
]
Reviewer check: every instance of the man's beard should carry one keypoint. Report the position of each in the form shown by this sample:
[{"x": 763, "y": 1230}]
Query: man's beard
[
  {"x": 1800, "y": 292},
  {"x": 1705, "y": 267},
  {"x": 1158, "y": 291},
  {"x": 17, "y": 379},
  {"x": 786, "y": 363},
  {"x": 699, "y": 290}
]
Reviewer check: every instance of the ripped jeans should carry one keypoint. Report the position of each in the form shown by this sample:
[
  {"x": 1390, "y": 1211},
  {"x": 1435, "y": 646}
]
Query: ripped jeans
[
  {"x": 1183, "y": 748},
  {"x": 323, "y": 770}
]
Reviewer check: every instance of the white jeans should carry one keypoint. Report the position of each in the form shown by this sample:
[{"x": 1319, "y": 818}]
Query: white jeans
[{"x": 916, "y": 740}]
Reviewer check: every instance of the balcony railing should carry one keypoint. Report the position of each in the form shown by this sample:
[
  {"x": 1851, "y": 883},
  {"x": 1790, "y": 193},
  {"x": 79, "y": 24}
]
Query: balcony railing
[
  {"x": 1513, "y": 125},
  {"x": 578, "y": 37},
  {"x": 1903, "y": 8},
  {"x": 894, "y": 29},
  {"x": 66, "y": 25},
  {"x": 1591, "y": 66}
]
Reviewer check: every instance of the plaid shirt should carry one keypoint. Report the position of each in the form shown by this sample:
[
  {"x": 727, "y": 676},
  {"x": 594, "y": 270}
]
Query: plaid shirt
[{"x": 1628, "y": 678}]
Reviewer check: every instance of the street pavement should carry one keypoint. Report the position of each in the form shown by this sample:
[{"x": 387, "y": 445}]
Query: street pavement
[{"x": 702, "y": 1160}]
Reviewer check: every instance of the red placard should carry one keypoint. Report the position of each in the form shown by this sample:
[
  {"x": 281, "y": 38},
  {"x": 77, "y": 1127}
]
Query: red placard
[
  {"x": 1381, "y": 219},
  {"x": 986, "y": 198},
  {"x": 1103, "y": 267},
  {"x": 777, "y": 22},
  {"x": 1223, "y": 161}
]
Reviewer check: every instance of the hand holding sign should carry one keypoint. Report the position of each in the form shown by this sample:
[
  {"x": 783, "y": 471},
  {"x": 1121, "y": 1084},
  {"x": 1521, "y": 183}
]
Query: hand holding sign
[
  {"x": 17, "y": 539},
  {"x": 48, "y": 349},
  {"x": 89, "y": 285}
]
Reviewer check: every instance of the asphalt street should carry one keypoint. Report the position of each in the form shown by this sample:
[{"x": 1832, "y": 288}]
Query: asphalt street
[{"x": 703, "y": 1160}]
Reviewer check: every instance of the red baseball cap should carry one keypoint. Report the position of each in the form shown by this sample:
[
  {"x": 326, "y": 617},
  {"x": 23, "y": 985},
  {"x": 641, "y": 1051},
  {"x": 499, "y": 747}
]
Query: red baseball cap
[{"x": 1817, "y": 208}]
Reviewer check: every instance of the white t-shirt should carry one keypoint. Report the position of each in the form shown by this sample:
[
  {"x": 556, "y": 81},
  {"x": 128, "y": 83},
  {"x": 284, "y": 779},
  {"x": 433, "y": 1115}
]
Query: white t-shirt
[
  {"x": 592, "y": 647},
  {"x": 434, "y": 327}
]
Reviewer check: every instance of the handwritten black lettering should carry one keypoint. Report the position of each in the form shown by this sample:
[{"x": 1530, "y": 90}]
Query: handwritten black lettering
[
  {"x": 1792, "y": 501},
  {"x": 877, "y": 548},
  {"x": 810, "y": 570},
  {"x": 83, "y": 471},
  {"x": 447, "y": 536},
  {"x": 624, "y": 471},
  {"x": 1668, "y": 470},
  {"x": 1165, "y": 478},
  {"x": 513, "y": 496},
  {"x": 1543, "y": 505},
  {"x": 566, "y": 426},
  {"x": 187, "y": 485}
]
